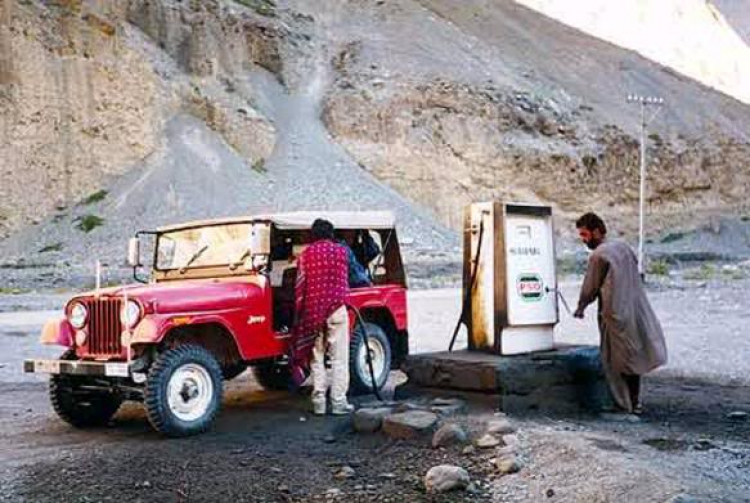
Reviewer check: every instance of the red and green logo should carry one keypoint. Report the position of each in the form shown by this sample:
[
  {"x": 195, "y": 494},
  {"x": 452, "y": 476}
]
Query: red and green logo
[{"x": 530, "y": 287}]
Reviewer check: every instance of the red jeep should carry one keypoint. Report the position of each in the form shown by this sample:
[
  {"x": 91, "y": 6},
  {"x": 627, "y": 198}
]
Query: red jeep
[{"x": 220, "y": 299}]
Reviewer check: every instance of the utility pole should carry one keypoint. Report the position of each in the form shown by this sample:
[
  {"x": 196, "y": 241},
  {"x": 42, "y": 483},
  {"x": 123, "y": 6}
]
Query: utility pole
[{"x": 645, "y": 102}]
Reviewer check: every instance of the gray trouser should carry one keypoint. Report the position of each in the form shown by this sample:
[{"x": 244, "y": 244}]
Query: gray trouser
[{"x": 335, "y": 341}]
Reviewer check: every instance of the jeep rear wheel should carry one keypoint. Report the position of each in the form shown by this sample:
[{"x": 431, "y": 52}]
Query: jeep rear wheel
[
  {"x": 183, "y": 391},
  {"x": 77, "y": 405},
  {"x": 380, "y": 351}
]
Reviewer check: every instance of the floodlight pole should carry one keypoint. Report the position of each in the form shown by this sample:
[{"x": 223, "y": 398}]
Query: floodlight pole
[{"x": 644, "y": 102}]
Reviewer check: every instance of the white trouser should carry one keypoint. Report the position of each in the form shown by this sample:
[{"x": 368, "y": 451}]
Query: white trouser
[{"x": 335, "y": 338}]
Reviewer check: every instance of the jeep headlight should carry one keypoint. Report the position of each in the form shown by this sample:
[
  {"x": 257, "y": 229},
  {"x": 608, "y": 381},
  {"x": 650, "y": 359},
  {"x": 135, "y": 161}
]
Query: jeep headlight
[
  {"x": 77, "y": 315},
  {"x": 130, "y": 314}
]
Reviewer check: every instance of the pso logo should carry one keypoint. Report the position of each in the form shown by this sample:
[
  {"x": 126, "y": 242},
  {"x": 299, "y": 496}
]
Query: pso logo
[{"x": 530, "y": 287}]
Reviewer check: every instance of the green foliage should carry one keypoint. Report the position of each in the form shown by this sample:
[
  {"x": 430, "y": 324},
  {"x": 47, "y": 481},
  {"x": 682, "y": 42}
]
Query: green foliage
[
  {"x": 704, "y": 272},
  {"x": 259, "y": 165},
  {"x": 263, "y": 7},
  {"x": 94, "y": 198},
  {"x": 659, "y": 268},
  {"x": 733, "y": 274},
  {"x": 88, "y": 223},
  {"x": 12, "y": 291},
  {"x": 56, "y": 247}
]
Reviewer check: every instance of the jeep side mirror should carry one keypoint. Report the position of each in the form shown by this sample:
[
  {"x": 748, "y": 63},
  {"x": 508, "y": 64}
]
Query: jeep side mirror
[{"x": 134, "y": 252}]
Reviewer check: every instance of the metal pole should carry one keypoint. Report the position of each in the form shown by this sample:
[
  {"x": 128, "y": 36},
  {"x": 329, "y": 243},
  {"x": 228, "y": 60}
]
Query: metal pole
[
  {"x": 644, "y": 102},
  {"x": 642, "y": 196}
]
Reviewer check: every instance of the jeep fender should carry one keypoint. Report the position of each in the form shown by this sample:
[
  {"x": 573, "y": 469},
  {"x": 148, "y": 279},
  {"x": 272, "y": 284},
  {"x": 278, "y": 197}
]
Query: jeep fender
[
  {"x": 57, "y": 333},
  {"x": 153, "y": 329}
]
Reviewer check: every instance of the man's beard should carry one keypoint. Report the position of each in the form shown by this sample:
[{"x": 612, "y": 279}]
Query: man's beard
[{"x": 592, "y": 244}]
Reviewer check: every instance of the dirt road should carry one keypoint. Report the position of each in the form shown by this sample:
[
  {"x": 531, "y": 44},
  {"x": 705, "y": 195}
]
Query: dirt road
[{"x": 266, "y": 447}]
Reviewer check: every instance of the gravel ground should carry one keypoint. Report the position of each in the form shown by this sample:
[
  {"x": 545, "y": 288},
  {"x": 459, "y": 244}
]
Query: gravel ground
[{"x": 266, "y": 447}]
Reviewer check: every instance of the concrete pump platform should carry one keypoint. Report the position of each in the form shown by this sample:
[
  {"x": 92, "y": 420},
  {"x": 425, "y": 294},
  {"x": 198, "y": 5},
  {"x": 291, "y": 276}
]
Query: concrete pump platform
[{"x": 567, "y": 378}]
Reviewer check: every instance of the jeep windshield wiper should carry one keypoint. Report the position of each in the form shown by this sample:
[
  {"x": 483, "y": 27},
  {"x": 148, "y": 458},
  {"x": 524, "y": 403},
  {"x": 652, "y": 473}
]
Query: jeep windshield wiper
[
  {"x": 193, "y": 259},
  {"x": 234, "y": 265}
]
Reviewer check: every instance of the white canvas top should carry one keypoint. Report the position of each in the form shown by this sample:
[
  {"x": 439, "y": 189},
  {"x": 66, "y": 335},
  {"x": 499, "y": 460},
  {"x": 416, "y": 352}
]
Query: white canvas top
[{"x": 302, "y": 220}]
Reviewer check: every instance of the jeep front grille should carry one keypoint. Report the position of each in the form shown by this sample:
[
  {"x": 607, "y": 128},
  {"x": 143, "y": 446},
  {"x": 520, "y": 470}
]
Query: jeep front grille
[{"x": 104, "y": 327}]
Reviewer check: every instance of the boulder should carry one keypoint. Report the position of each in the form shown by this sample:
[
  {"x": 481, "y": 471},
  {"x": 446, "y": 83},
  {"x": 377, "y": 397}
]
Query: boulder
[
  {"x": 487, "y": 441},
  {"x": 500, "y": 426},
  {"x": 409, "y": 424},
  {"x": 508, "y": 464},
  {"x": 369, "y": 420},
  {"x": 449, "y": 434},
  {"x": 443, "y": 478}
]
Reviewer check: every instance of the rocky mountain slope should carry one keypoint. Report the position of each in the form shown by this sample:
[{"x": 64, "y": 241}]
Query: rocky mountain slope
[{"x": 123, "y": 114}]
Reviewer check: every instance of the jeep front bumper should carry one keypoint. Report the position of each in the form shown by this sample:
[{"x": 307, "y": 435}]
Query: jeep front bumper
[{"x": 82, "y": 368}]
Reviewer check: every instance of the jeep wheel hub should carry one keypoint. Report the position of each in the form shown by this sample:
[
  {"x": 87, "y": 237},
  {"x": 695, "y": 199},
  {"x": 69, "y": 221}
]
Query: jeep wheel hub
[
  {"x": 377, "y": 353},
  {"x": 190, "y": 392}
]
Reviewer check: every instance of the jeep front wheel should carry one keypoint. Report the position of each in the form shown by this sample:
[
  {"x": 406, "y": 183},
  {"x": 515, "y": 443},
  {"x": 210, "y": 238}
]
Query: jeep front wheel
[
  {"x": 183, "y": 391},
  {"x": 77, "y": 405}
]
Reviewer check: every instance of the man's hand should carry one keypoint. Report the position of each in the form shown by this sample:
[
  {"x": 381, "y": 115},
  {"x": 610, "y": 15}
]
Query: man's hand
[{"x": 578, "y": 314}]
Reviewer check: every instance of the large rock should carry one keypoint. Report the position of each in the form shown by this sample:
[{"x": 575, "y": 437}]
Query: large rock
[
  {"x": 409, "y": 424},
  {"x": 488, "y": 441},
  {"x": 500, "y": 426},
  {"x": 369, "y": 420},
  {"x": 449, "y": 434},
  {"x": 508, "y": 464},
  {"x": 443, "y": 478}
]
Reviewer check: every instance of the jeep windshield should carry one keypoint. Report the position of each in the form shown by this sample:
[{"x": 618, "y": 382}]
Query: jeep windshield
[{"x": 206, "y": 246}]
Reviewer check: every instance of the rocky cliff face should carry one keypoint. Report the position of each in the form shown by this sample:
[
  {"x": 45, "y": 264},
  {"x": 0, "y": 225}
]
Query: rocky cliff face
[
  {"x": 87, "y": 87},
  {"x": 334, "y": 104}
]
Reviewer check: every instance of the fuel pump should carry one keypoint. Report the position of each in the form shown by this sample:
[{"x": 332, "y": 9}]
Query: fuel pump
[{"x": 510, "y": 282}]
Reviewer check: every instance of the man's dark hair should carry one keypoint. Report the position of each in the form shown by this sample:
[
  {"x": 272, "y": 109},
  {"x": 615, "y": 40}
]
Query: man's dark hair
[
  {"x": 322, "y": 229},
  {"x": 591, "y": 221}
]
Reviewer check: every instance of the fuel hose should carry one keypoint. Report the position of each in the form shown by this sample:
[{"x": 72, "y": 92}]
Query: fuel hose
[
  {"x": 368, "y": 357},
  {"x": 472, "y": 283}
]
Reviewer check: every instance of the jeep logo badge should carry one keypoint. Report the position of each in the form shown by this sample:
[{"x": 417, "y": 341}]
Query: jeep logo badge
[
  {"x": 252, "y": 320},
  {"x": 530, "y": 287}
]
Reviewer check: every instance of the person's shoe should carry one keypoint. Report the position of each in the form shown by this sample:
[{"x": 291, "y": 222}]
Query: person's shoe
[
  {"x": 619, "y": 417},
  {"x": 342, "y": 409},
  {"x": 319, "y": 408}
]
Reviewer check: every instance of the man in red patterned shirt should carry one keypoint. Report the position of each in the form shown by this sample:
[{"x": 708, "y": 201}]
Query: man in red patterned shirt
[{"x": 321, "y": 292}]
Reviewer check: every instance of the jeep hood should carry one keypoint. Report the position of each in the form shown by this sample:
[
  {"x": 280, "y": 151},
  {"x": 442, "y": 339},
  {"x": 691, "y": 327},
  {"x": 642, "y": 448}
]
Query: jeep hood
[{"x": 187, "y": 296}]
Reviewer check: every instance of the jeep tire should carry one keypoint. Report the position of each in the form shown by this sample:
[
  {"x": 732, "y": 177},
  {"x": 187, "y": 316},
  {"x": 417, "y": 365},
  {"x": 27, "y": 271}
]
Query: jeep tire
[
  {"x": 77, "y": 406},
  {"x": 359, "y": 370},
  {"x": 183, "y": 391}
]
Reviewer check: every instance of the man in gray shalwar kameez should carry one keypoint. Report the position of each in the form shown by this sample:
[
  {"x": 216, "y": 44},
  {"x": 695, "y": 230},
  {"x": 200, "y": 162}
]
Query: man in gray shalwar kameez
[{"x": 632, "y": 341}]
